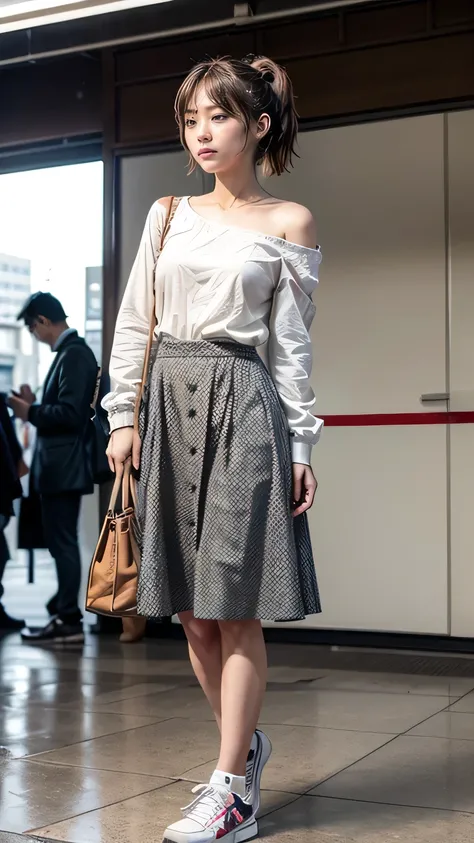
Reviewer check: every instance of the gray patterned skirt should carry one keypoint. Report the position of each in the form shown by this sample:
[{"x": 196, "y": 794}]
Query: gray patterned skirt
[{"x": 214, "y": 492}]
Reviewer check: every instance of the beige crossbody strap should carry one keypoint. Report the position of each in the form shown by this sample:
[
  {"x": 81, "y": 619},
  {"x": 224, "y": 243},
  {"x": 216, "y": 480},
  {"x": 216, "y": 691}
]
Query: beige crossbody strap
[{"x": 170, "y": 203}]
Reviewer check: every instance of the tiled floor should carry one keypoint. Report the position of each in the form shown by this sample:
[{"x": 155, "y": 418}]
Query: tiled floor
[{"x": 104, "y": 745}]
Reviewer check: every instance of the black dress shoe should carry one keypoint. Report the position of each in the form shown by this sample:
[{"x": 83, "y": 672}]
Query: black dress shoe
[
  {"x": 9, "y": 624},
  {"x": 55, "y": 632}
]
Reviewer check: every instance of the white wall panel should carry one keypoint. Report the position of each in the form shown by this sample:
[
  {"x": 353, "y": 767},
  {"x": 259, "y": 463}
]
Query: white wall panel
[
  {"x": 462, "y": 530},
  {"x": 379, "y": 524},
  {"x": 379, "y": 529},
  {"x": 461, "y": 218},
  {"x": 461, "y": 225},
  {"x": 377, "y": 193}
]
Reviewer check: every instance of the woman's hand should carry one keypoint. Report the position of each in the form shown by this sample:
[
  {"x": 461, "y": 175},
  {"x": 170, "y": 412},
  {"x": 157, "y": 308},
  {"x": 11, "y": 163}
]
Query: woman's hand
[
  {"x": 304, "y": 488},
  {"x": 123, "y": 442}
]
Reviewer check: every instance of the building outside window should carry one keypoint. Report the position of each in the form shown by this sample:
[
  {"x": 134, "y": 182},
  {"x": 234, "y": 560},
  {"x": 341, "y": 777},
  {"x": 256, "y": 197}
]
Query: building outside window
[{"x": 16, "y": 365}]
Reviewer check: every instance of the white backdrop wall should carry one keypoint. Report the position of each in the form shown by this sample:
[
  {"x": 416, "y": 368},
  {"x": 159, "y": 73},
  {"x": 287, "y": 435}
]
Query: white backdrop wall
[{"x": 391, "y": 528}]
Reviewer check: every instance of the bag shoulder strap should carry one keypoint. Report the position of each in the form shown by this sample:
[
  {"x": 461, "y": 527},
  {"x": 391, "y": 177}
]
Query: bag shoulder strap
[
  {"x": 96, "y": 389},
  {"x": 170, "y": 203}
]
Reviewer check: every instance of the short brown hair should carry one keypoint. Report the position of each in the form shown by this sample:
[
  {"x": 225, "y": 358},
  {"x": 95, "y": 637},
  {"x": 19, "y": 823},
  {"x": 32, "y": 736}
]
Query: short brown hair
[{"x": 247, "y": 89}]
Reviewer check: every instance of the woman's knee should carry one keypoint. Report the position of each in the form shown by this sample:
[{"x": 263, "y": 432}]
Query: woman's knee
[
  {"x": 239, "y": 631},
  {"x": 199, "y": 631}
]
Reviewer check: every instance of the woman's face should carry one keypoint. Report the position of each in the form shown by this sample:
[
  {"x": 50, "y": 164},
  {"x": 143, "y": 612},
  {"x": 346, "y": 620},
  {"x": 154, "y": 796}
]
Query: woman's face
[{"x": 217, "y": 141}]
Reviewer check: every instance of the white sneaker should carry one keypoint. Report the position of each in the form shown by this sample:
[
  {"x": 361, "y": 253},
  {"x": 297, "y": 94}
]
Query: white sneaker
[
  {"x": 214, "y": 815},
  {"x": 260, "y": 751}
]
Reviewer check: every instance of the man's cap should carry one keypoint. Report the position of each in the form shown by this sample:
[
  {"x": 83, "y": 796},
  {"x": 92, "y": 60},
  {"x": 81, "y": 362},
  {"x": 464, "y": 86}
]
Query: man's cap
[{"x": 42, "y": 304}]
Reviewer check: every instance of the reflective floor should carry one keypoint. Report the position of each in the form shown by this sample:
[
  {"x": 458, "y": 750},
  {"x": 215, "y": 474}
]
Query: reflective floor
[{"x": 105, "y": 745}]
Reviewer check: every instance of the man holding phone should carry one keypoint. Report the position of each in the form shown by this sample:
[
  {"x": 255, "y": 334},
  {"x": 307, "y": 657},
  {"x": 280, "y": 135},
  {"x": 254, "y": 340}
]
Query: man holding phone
[{"x": 61, "y": 471}]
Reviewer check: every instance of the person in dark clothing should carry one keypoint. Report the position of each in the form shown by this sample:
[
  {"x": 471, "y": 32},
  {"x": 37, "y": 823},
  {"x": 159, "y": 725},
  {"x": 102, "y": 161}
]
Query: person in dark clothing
[
  {"x": 11, "y": 468},
  {"x": 61, "y": 469}
]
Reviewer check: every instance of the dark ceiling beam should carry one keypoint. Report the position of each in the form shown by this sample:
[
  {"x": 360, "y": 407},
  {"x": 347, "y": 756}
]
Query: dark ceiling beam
[{"x": 181, "y": 17}]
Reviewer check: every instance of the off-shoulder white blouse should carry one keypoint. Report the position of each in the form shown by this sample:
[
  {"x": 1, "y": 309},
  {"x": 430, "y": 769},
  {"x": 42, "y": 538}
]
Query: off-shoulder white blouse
[{"x": 216, "y": 281}]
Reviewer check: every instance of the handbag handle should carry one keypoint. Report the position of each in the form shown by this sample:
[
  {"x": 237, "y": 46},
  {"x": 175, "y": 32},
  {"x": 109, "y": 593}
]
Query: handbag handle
[
  {"x": 119, "y": 472},
  {"x": 170, "y": 203},
  {"x": 122, "y": 483},
  {"x": 126, "y": 484}
]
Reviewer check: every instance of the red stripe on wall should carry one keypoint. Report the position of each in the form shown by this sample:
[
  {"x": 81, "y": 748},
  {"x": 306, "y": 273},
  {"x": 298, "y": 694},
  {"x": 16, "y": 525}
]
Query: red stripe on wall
[{"x": 399, "y": 419}]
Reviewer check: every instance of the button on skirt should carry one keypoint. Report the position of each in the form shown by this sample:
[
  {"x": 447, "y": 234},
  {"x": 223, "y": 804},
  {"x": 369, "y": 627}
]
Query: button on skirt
[{"x": 214, "y": 491}]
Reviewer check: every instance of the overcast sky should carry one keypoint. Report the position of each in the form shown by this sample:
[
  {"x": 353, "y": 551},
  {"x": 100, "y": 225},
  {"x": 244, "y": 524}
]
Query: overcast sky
[{"x": 54, "y": 218}]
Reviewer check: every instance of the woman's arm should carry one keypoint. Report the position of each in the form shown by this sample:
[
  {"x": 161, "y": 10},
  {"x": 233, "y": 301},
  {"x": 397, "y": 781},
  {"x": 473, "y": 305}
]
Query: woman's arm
[
  {"x": 133, "y": 324},
  {"x": 290, "y": 349}
]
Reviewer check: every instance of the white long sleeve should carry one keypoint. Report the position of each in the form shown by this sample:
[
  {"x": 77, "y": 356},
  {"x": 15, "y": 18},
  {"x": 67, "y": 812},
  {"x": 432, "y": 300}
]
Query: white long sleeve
[
  {"x": 133, "y": 324},
  {"x": 290, "y": 361}
]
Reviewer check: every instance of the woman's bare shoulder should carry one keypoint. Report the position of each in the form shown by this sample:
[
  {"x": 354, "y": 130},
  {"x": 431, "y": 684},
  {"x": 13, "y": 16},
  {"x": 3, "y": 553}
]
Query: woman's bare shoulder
[{"x": 297, "y": 222}]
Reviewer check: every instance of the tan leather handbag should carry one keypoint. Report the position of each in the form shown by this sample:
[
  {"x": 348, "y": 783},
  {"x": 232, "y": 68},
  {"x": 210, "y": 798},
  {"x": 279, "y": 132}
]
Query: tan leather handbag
[
  {"x": 115, "y": 567},
  {"x": 113, "y": 576}
]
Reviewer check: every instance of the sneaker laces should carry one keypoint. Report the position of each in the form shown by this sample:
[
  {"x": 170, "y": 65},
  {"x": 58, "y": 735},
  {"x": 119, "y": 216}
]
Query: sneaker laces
[{"x": 208, "y": 802}]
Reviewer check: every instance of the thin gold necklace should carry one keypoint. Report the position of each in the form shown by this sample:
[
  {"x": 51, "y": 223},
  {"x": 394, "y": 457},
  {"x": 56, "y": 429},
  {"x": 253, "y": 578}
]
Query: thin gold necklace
[{"x": 249, "y": 202}]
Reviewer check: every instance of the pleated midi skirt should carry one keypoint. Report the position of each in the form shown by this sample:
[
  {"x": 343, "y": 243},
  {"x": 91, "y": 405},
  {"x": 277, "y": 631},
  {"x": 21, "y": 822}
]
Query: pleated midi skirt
[{"x": 214, "y": 491}]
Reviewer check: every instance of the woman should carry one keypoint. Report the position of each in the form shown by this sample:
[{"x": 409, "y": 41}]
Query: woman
[{"x": 222, "y": 493}]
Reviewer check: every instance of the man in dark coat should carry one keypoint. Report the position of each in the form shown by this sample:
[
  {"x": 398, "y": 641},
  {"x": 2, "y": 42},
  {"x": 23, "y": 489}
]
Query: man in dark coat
[
  {"x": 11, "y": 466},
  {"x": 61, "y": 469}
]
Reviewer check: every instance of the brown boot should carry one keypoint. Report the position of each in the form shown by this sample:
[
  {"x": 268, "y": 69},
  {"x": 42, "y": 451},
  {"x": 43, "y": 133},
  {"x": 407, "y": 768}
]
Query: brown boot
[{"x": 133, "y": 630}]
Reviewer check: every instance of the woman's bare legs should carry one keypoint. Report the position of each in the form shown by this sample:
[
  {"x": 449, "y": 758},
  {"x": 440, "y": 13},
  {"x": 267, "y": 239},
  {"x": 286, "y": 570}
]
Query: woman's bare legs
[
  {"x": 230, "y": 662},
  {"x": 244, "y": 677},
  {"x": 204, "y": 644}
]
